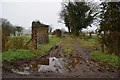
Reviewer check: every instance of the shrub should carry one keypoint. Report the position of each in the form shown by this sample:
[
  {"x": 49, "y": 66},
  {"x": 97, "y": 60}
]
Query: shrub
[
  {"x": 58, "y": 32},
  {"x": 110, "y": 40},
  {"x": 14, "y": 42}
]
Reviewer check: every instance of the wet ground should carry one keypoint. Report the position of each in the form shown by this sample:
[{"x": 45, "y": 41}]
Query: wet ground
[{"x": 53, "y": 65}]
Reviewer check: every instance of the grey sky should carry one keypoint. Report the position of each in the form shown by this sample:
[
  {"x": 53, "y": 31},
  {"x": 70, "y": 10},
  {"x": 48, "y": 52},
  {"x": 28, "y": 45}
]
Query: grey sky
[{"x": 23, "y": 12}]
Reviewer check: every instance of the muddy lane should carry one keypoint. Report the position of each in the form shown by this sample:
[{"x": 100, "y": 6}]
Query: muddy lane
[{"x": 79, "y": 65}]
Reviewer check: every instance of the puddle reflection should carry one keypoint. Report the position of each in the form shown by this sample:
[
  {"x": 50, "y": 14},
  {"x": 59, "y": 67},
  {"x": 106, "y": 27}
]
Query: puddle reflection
[
  {"x": 48, "y": 65},
  {"x": 59, "y": 65}
]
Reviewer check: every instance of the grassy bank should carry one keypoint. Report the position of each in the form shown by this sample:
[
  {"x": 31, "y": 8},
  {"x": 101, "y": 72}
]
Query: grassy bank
[
  {"x": 94, "y": 46},
  {"x": 53, "y": 41},
  {"x": 12, "y": 55},
  {"x": 102, "y": 57}
]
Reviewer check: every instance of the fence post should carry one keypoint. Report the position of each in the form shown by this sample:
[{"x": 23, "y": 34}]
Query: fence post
[
  {"x": 118, "y": 43},
  {"x": 35, "y": 39},
  {"x": 0, "y": 49}
]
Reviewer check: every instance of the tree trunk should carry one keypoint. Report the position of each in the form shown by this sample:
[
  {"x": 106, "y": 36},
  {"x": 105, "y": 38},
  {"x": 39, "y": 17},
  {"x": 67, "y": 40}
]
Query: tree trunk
[
  {"x": 76, "y": 32},
  {"x": 69, "y": 29},
  {"x": 90, "y": 35}
]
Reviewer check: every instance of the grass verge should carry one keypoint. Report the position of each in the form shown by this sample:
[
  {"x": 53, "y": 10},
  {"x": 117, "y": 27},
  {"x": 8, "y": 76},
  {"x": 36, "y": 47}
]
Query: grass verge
[
  {"x": 53, "y": 41},
  {"x": 91, "y": 44},
  {"x": 67, "y": 45},
  {"x": 94, "y": 46},
  {"x": 12, "y": 55},
  {"x": 102, "y": 57}
]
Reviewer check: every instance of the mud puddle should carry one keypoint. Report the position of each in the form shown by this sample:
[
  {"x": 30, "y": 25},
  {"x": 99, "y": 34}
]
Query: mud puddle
[
  {"x": 79, "y": 64},
  {"x": 52, "y": 64},
  {"x": 61, "y": 67},
  {"x": 58, "y": 65}
]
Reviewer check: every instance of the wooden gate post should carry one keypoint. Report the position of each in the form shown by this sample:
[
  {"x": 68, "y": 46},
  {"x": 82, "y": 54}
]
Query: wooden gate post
[{"x": 35, "y": 35}]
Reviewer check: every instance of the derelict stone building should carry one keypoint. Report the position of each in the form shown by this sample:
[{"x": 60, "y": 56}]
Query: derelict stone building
[{"x": 40, "y": 32}]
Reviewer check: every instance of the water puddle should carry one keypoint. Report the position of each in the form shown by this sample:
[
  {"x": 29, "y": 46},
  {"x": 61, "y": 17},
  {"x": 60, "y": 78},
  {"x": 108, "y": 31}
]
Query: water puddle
[
  {"x": 48, "y": 65},
  {"x": 58, "y": 65}
]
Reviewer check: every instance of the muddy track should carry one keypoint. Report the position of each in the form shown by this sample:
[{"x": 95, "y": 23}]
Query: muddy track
[{"x": 56, "y": 62}]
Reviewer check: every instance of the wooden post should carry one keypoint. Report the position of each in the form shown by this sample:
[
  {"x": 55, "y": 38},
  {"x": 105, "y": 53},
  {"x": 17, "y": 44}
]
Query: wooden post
[
  {"x": 118, "y": 43},
  {"x": 35, "y": 35}
]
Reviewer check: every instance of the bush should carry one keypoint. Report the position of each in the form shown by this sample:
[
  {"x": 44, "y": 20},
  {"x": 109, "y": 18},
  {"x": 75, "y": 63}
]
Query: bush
[
  {"x": 58, "y": 32},
  {"x": 110, "y": 40}
]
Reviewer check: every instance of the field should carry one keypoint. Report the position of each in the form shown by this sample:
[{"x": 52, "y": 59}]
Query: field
[{"x": 14, "y": 54}]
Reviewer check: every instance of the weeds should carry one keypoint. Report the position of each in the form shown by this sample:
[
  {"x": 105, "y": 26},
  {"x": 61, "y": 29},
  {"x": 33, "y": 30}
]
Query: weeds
[{"x": 14, "y": 42}]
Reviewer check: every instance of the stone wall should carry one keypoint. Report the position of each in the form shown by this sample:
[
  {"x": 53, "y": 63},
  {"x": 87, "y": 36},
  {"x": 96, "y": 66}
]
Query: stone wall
[{"x": 42, "y": 34}]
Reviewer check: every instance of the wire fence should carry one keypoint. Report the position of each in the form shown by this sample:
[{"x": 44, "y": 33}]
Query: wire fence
[{"x": 38, "y": 40}]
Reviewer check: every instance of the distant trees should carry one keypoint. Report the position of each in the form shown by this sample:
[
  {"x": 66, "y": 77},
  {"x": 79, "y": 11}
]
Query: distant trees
[
  {"x": 8, "y": 28},
  {"x": 77, "y": 15},
  {"x": 19, "y": 29}
]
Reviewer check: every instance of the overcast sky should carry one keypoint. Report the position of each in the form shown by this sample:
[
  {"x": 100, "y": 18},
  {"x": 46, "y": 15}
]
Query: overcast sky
[{"x": 23, "y": 12}]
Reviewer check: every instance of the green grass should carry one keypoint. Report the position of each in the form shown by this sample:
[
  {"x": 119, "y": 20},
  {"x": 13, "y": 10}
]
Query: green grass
[
  {"x": 15, "y": 54},
  {"x": 26, "y": 38},
  {"x": 89, "y": 43},
  {"x": 53, "y": 41},
  {"x": 12, "y": 55},
  {"x": 67, "y": 45},
  {"x": 92, "y": 44},
  {"x": 42, "y": 48},
  {"x": 102, "y": 57}
]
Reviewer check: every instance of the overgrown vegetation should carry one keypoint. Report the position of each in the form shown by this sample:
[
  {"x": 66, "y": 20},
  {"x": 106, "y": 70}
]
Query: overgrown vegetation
[
  {"x": 14, "y": 43},
  {"x": 15, "y": 48},
  {"x": 67, "y": 45},
  {"x": 12, "y": 55},
  {"x": 110, "y": 17},
  {"x": 54, "y": 41},
  {"x": 43, "y": 48},
  {"x": 94, "y": 46},
  {"x": 102, "y": 57}
]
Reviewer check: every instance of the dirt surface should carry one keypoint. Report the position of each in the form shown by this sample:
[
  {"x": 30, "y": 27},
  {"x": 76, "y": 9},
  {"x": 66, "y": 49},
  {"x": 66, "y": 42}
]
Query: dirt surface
[{"x": 56, "y": 64}]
